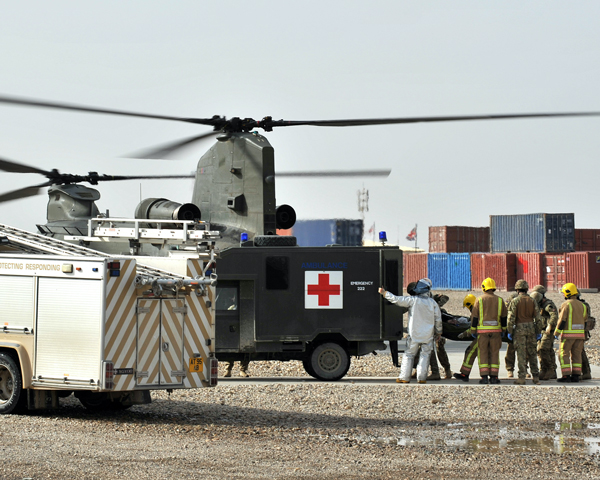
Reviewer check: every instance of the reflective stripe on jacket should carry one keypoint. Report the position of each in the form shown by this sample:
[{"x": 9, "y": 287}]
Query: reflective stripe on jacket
[
  {"x": 489, "y": 323},
  {"x": 572, "y": 318}
]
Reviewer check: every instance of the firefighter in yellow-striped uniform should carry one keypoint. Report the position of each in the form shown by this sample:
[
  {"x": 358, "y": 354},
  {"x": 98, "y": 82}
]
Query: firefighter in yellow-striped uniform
[
  {"x": 570, "y": 330},
  {"x": 472, "y": 349},
  {"x": 488, "y": 320}
]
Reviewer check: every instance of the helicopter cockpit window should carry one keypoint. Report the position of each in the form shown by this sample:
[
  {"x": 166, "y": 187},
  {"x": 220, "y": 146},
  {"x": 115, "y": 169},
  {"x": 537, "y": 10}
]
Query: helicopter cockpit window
[
  {"x": 227, "y": 298},
  {"x": 278, "y": 273}
]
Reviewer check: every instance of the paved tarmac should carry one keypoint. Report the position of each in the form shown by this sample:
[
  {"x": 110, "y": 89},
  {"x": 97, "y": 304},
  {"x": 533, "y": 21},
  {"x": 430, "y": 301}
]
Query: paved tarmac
[{"x": 455, "y": 352}]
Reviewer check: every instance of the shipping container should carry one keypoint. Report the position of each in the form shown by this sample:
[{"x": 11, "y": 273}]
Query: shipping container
[
  {"x": 501, "y": 267},
  {"x": 437, "y": 270},
  {"x": 320, "y": 233},
  {"x": 459, "y": 271},
  {"x": 284, "y": 233},
  {"x": 583, "y": 269},
  {"x": 414, "y": 267},
  {"x": 530, "y": 269},
  {"x": 553, "y": 265},
  {"x": 458, "y": 239},
  {"x": 536, "y": 232},
  {"x": 587, "y": 240}
]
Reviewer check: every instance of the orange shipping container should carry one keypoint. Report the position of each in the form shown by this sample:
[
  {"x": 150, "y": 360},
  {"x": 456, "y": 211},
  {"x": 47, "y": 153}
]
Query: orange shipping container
[
  {"x": 455, "y": 239},
  {"x": 501, "y": 267},
  {"x": 587, "y": 240},
  {"x": 529, "y": 268}
]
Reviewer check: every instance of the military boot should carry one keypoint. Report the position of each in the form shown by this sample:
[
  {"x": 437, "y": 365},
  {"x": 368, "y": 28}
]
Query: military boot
[
  {"x": 543, "y": 375},
  {"x": 244, "y": 373},
  {"x": 434, "y": 376},
  {"x": 551, "y": 375},
  {"x": 519, "y": 381},
  {"x": 586, "y": 376},
  {"x": 228, "y": 371},
  {"x": 414, "y": 373},
  {"x": 509, "y": 373},
  {"x": 536, "y": 380},
  {"x": 447, "y": 373}
]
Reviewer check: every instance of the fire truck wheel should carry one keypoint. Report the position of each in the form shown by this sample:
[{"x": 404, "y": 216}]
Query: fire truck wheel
[
  {"x": 12, "y": 396},
  {"x": 329, "y": 361},
  {"x": 274, "y": 241}
]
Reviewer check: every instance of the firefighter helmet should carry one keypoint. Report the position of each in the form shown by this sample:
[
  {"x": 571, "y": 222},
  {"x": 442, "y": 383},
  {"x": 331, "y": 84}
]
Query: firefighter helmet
[
  {"x": 569, "y": 290},
  {"x": 521, "y": 285},
  {"x": 488, "y": 284},
  {"x": 540, "y": 288},
  {"x": 469, "y": 301}
]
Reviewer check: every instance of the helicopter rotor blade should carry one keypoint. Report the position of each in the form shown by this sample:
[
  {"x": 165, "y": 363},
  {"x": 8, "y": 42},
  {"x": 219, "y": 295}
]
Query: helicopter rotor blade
[
  {"x": 29, "y": 102},
  {"x": 456, "y": 118},
  {"x": 106, "y": 178},
  {"x": 336, "y": 173},
  {"x": 23, "y": 192},
  {"x": 164, "y": 150},
  {"x": 15, "y": 167}
]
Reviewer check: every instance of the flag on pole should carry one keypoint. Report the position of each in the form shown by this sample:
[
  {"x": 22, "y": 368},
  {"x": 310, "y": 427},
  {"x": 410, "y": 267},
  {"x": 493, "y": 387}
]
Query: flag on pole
[
  {"x": 372, "y": 229},
  {"x": 412, "y": 235}
]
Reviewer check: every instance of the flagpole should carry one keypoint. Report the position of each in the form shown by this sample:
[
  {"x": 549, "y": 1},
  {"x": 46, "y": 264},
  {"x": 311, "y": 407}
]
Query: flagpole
[{"x": 416, "y": 236}]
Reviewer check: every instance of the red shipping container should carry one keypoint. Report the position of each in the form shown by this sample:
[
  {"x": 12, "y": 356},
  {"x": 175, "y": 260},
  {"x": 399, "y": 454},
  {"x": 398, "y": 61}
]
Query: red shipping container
[
  {"x": 587, "y": 240},
  {"x": 457, "y": 239},
  {"x": 529, "y": 268},
  {"x": 583, "y": 269},
  {"x": 501, "y": 267},
  {"x": 414, "y": 267},
  {"x": 477, "y": 270},
  {"x": 554, "y": 270}
]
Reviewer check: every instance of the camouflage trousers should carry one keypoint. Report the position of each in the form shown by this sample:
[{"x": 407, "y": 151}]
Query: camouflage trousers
[
  {"x": 439, "y": 352},
  {"x": 509, "y": 359},
  {"x": 525, "y": 343},
  {"x": 243, "y": 365},
  {"x": 546, "y": 353}
]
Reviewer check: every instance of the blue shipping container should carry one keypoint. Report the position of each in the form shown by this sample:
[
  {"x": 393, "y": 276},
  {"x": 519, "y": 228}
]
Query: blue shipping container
[
  {"x": 459, "y": 271},
  {"x": 449, "y": 271},
  {"x": 319, "y": 233},
  {"x": 536, "y": 232},
  {"x": 437, "y": 270}
]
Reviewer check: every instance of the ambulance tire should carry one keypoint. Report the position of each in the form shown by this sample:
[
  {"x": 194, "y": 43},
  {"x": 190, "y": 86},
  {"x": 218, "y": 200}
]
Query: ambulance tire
[
  {"x": 274, "y": 241},
  {"x": 13, "y": 399},
  {"x": 329, "y": 362}
]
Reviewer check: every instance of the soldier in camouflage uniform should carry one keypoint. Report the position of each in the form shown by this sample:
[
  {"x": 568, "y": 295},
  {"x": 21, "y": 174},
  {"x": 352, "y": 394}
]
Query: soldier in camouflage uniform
[
  {"x": 586, "y": 371},
  {"x": 510, "y": 358},
  {"x": 439, "y": 352},
  {"x": 549, "y": 319},
  {"x": 523, "y": 328}
]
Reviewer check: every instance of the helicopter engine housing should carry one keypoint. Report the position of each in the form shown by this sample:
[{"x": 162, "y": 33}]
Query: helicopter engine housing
[{"x": 164, "y": 209}]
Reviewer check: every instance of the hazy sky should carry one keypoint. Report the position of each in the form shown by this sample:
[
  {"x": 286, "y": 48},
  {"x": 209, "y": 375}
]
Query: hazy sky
[{"x": 314, "y": 60}]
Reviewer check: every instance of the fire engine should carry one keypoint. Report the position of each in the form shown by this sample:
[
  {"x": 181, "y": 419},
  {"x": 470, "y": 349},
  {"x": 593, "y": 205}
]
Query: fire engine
[{"x": 109, "y": 329}]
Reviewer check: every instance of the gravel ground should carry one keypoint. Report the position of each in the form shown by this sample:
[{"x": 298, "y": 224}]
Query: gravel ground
[{"x": 319, "y": 430}]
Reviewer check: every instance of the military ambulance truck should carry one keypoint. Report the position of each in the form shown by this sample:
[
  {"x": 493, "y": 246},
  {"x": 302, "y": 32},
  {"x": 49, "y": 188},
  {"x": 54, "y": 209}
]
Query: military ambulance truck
[
  {"x": 319, "y": 305},
  {"x": 107, "y": 329}
]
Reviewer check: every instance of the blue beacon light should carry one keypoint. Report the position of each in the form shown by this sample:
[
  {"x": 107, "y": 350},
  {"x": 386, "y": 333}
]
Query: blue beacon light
[
  {"x": 244, "y": 237},
  {"x": 382, "y": 237}
]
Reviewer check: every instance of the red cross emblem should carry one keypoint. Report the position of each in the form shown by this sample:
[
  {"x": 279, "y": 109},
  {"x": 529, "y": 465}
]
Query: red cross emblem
[{"x": 323, "y": 289}]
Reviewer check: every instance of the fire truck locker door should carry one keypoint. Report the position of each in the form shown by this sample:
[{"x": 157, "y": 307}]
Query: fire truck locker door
[
  {"x": 148, "y": 341},
  {"x": 228, "y": 317},
  {"x": 69, "y": 323},
  {"x": 171, "y": 342}
]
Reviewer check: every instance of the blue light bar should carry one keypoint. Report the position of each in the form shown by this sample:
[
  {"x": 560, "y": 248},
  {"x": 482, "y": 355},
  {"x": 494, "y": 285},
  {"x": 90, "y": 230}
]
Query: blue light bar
[{"x": 382, "y": 236}]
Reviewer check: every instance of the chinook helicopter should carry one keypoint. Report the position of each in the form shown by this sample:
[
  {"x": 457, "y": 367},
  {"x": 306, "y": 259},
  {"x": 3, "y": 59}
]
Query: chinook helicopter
[{"x": 234, "y": 189}]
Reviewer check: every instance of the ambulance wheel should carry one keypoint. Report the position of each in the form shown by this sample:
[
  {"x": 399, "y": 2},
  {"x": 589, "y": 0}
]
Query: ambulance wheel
[
  {"x": 274, "y": 241},
  {"x": 329, "y": 361},
  {"x": 13, "y": 398}
]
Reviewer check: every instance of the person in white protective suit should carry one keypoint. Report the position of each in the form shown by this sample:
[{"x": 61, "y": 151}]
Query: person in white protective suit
[{"x": 424, "y": 324}]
